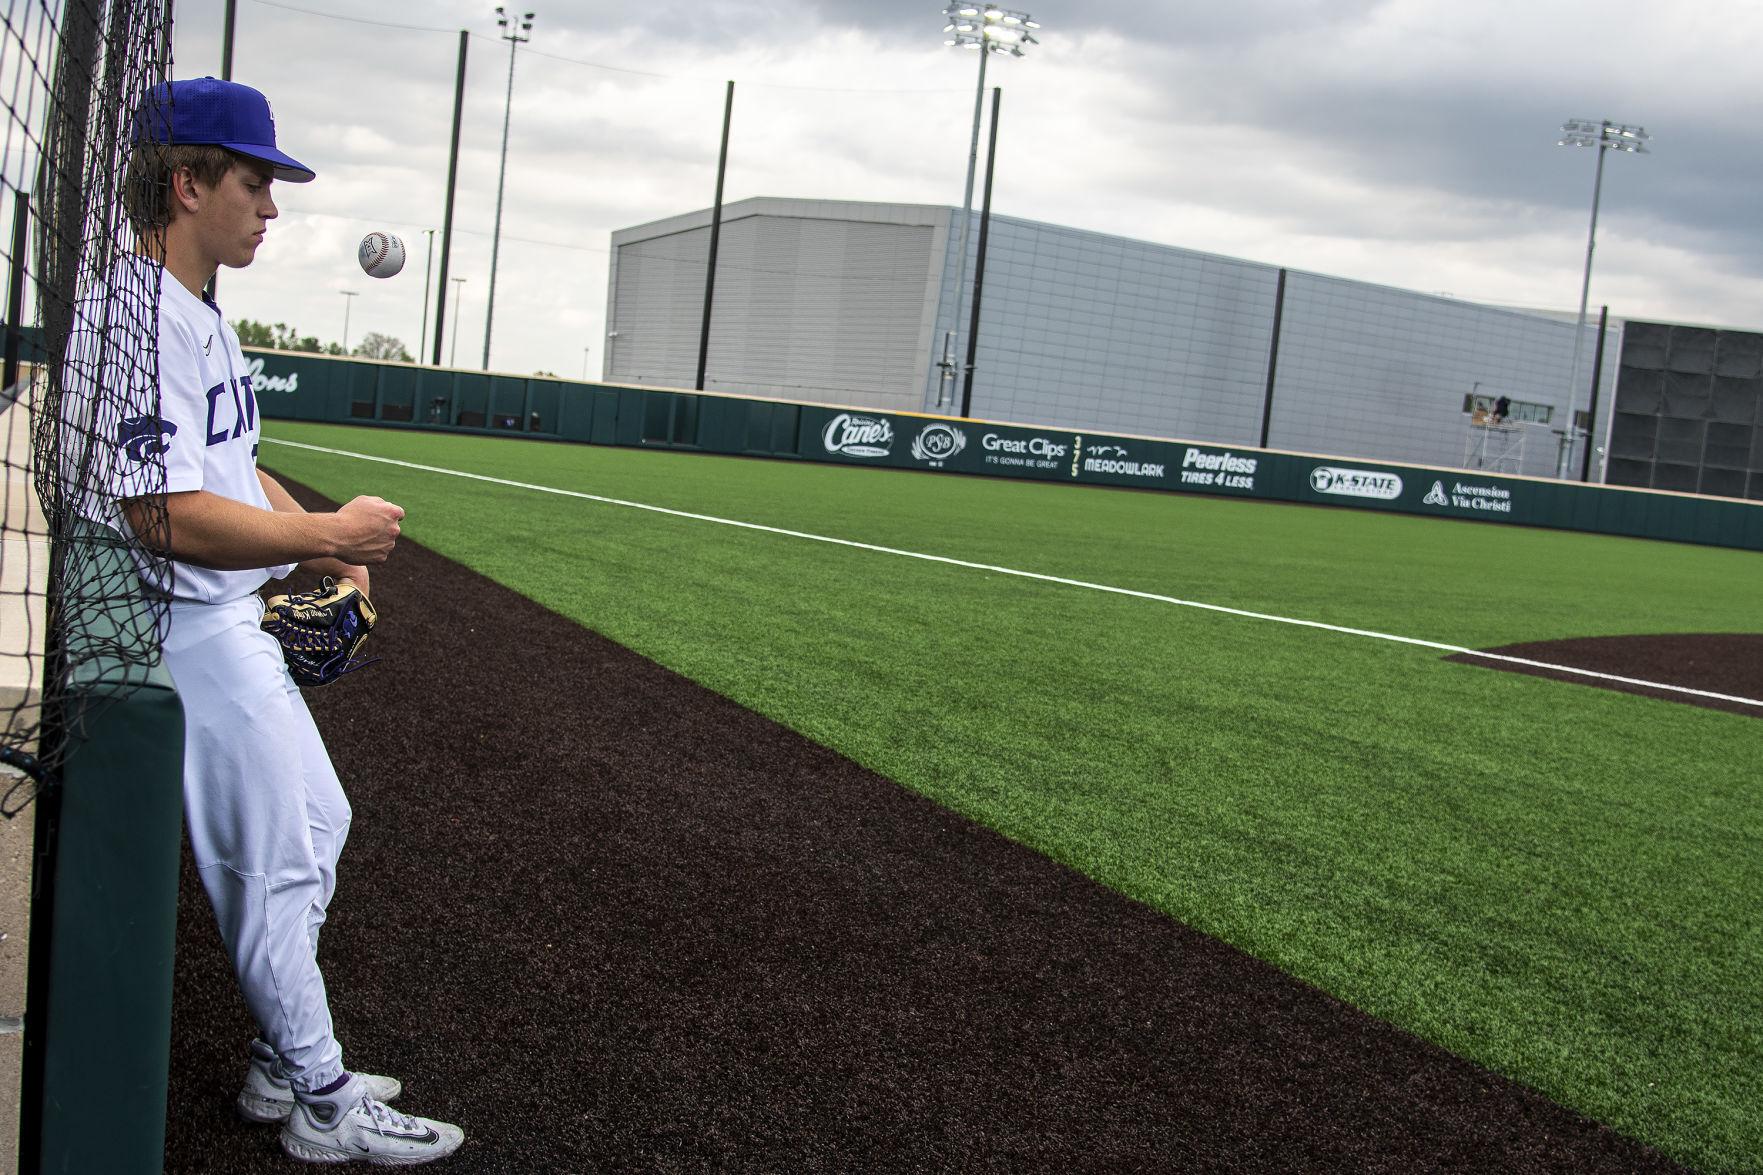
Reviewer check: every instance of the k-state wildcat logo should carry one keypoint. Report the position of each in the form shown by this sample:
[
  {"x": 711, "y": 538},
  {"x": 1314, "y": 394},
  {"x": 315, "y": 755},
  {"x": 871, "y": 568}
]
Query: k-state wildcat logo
[{"x": 142, "y": 437}]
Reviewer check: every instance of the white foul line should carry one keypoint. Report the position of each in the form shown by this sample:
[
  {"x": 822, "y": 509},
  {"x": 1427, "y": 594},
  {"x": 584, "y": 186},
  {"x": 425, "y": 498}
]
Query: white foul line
[{"x": 1035, "y": 575}]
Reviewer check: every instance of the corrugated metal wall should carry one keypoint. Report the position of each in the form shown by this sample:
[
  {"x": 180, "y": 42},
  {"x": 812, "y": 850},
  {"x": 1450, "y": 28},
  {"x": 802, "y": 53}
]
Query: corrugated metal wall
[{"x": 824, "y": 310}]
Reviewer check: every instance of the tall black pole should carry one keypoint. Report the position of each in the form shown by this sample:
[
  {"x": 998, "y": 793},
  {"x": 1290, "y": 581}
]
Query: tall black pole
[
  {"x": 226, "y": 75},
  {"x": 452, "y": 185},
  {"x": 1591, "y": 416},
  {"x": 1279, "y": 310},
  {"x": 979, "y": 263},
  {"x": 728, "y": 110},
  {"x": 226, "y": 42},
  {"x": 21, "y": 219}
]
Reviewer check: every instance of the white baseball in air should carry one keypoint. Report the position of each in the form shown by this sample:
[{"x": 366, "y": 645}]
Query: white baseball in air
[{"x": 382, "y": 254}]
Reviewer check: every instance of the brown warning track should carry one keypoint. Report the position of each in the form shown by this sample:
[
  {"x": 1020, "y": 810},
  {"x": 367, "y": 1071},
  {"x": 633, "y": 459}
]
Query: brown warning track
[
  {"x": 607, "y": 920},
  {"x": 1729, "y": 663}
]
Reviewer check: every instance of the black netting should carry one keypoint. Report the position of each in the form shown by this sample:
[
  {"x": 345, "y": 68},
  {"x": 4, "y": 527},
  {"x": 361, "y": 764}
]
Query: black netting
[
  {"x": 81, "y": 375},
  {"x": 1724, "y": 483},
  {"x": 1740, "y": 354},
  {"x": 1644, "y": 344},
  {"x": 1639, "y": 389},
  {"x": 1680, "y": 441},
  {"x": 1688, "y": 396},
  {"x": 1692, "y": 350},
  {"x": 1633, "y": 435},
  {"x": 1737, "y": 400}
]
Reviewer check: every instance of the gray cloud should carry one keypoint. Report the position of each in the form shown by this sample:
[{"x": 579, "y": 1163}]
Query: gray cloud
[{"x": 1407, "y": 142}]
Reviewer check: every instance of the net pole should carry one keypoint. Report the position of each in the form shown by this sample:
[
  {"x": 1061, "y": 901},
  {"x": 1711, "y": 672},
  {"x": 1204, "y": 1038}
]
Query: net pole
[{"x": 21, "y": 220}]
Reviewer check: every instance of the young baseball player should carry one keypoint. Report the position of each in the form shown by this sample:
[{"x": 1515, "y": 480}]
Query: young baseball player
[{"x": 267, "y": 817}]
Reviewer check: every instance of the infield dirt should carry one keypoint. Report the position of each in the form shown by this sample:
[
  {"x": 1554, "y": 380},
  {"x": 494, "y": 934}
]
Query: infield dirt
[{"x": 608, "y": 920}]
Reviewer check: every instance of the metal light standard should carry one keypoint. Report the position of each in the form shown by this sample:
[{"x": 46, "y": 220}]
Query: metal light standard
[
  {"x": 453, "y": 359},
  {"x": 347, "y": 294},
  {"x": 515, "y": 32},
  {"x": 427, "y": 273},
  {"x": 987, "y": 29},
  {"x": 1605, "y": 136}
]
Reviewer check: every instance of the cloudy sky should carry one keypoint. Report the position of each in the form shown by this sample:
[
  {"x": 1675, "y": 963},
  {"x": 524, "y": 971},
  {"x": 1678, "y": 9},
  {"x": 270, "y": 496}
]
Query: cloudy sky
[{"x": 1408, "y": 142}]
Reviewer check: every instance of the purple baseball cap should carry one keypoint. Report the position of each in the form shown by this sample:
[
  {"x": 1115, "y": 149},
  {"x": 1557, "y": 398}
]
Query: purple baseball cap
[{"x": 212, "y": 112}]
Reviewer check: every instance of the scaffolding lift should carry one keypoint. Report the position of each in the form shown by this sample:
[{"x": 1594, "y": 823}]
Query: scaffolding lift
[{"x": 1497, "y": 447}]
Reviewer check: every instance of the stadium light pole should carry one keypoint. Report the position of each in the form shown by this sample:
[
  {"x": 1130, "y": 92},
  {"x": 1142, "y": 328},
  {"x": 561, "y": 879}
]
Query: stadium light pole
[
  {"x": 348, "y": 301},
  {"x": 516, "y": 31},
  {"x": 453, "y": 359},
  {"x": 1605, "y": 136},
  {"x": 986, "y": 29},
  {"x": 428, "y": 272}
]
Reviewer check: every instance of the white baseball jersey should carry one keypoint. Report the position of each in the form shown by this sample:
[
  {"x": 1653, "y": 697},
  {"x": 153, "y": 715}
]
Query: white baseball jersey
[{"x": 204, "y": 433}]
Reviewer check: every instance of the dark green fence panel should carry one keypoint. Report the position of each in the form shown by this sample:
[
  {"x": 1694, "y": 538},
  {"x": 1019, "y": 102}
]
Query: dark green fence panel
[
  {"x": 603, "y": 424},
  {"x": 507, "y": 410},
  {"x": 544, "y": 398},
  {"x": 630, "y": 416},
  {"x": 111, "y": 933},
  {"x": 471, "y": 400},
  {"x": 364, "y": 385},
  {"x": 311, "y": 387},
  {"x": 396, "y": 393}
]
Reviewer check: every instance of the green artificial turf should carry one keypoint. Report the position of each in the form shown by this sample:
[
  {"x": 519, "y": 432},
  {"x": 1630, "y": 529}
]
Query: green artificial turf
[{"x": 1555, "y": 881}]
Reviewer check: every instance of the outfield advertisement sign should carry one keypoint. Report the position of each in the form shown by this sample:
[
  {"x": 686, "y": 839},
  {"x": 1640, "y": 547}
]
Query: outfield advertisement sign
[
  {"x": 851, "y": 435},
  {"x": 958, "y": 446},
  {"x": 1456, "y": 495},
  {"x": 1218, "y": 471}
]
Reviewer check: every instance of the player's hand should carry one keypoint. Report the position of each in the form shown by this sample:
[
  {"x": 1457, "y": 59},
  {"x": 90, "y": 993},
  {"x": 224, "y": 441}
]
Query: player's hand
[
  {"x": 367, "y": 530},
  {"x": 357, "y": 575}
]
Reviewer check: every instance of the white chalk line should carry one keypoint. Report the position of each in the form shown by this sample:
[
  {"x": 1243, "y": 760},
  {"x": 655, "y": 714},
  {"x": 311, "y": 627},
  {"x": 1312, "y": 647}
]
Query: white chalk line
[{"x": 1034, "y": 575}]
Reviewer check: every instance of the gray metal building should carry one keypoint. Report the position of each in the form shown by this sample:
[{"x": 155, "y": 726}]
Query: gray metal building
[{"x": 847, "y": 302}]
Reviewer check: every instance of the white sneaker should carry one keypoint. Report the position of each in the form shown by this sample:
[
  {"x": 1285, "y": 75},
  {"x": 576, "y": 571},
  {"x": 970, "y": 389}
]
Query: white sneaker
[
  {"x": 267, "y": 1095},
  {"x": 350, "y": 1126}
]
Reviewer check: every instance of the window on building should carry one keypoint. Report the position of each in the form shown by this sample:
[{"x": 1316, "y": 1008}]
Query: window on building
[{"x": 1516, "y": 410}]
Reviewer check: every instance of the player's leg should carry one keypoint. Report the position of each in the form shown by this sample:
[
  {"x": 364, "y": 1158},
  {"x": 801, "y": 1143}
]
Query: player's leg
[
  {"x": 327, "y": 808},
  {"x": 245, "y": 805}
]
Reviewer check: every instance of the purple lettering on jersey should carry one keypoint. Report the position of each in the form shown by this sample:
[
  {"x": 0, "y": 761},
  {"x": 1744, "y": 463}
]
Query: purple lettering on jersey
[
  {"x": 215, "y": 437},
  {"x": 238, "y": 412},
  {"x": 244, "y": 411}
]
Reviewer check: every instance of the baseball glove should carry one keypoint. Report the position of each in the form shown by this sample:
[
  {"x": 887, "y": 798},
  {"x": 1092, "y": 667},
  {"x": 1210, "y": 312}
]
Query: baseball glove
[{"x": 321, "y": 632}]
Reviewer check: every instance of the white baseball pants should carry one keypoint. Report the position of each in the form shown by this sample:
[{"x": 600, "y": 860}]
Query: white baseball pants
[{"x": 267, "y": 819}]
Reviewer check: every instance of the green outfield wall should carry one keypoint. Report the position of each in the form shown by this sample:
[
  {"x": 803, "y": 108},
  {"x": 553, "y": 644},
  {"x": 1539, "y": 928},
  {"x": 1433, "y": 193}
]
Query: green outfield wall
[{"x": 345, "y": 391}]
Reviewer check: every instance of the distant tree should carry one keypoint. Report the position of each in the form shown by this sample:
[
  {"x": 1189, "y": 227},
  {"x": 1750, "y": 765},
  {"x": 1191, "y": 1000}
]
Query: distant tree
[
  {"x": 253, "y": 333},
  {"x": 378, "y": 346},
  {"x": 280, "y": 336},
  {"x": 552, "y": 374}
]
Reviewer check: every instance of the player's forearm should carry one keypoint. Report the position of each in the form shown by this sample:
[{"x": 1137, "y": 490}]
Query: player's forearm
[
  {"x": 283, "y": 502},
  {"x": 215, "y": 532}
]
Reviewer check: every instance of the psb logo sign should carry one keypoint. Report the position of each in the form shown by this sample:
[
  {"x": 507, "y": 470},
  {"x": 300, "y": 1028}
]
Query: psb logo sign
[
  {"x": 936, "y": 443},
  {"x": 1355, "y": 483},
  {"x": 1436, "y": 495},
  {"x": 858, "y": 436}
]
